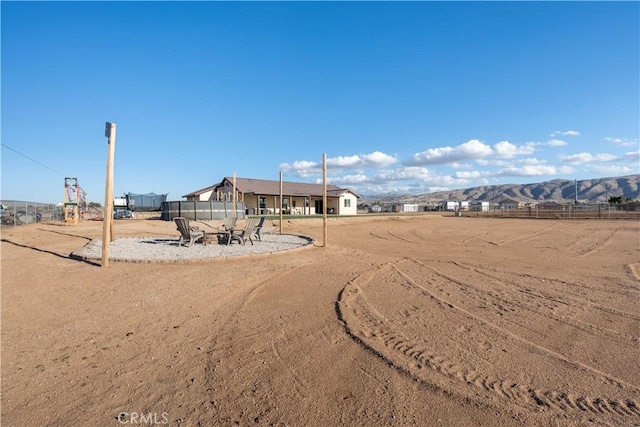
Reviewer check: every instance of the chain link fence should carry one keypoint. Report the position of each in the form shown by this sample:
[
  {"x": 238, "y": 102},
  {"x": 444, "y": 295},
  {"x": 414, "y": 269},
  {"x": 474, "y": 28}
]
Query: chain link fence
[
  {"x": 562, "y": 211},
  {"x": 16, "y": 212}
]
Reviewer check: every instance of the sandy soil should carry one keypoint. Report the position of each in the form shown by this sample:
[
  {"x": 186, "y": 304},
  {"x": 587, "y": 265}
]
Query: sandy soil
[{"x": 403, "y": 321}]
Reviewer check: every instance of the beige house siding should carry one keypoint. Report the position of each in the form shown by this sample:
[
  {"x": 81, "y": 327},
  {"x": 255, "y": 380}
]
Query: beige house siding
[
  {"x": 206, "y": 196},
  {"x": 348, "y": 204},
  {"x": 262, "y": 197}
]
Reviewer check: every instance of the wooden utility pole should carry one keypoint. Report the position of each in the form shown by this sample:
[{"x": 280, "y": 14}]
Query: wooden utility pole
[
  {"x": 324, "y": 199},
  {"x": 280, "y": 202},
  {"x": 234, "y": 199},
  {"x": 107, "y": 229}
]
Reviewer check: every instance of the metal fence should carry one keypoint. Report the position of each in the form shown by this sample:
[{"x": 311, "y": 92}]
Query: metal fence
[
  {"x": 201, "y": 210},
  {"x": 15, "y": 212},
  {"x": 558, "y": 211}
]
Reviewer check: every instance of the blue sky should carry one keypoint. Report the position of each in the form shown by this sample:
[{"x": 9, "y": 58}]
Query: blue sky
[{"x": 408, "y": 97}]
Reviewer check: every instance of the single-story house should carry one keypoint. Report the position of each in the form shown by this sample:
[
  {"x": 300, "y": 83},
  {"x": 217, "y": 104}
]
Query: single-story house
[
  {"x": 410, "y": 207},
  {"x": 260, "y": 197},
  {"x": 509, "y": 204}
]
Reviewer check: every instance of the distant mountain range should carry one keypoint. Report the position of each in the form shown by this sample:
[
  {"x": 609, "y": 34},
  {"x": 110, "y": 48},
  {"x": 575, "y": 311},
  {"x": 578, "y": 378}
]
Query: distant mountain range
[{"x": 589, "y": 190}]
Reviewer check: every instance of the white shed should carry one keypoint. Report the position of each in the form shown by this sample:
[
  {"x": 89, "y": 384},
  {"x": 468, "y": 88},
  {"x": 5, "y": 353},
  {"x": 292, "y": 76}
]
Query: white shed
[
  {"x": 410, "y": 207},
  {"x": 479, "y": 206}
]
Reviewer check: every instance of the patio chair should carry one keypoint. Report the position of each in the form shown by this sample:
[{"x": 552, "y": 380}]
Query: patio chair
[
  {"x": 258, "y": 228},
  {"x": 226, "y": 229},
  {"x": 244, "y": 234},
  {"x": 228, "y": 223},
  {"x": 192, "y": 234}
]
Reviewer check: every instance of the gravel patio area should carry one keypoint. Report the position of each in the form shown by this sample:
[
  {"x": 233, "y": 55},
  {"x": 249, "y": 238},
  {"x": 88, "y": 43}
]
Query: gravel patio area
[{"x": 166, "y": 249}]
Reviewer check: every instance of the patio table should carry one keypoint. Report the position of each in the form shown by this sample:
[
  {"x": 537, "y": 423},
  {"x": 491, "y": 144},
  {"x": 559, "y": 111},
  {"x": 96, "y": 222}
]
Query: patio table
[{"x": 216, "y": 236}]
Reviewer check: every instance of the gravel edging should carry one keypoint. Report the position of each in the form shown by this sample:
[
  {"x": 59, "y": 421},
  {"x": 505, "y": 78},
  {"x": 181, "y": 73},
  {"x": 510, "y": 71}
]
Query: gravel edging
[{"x": 166, "y": 249}]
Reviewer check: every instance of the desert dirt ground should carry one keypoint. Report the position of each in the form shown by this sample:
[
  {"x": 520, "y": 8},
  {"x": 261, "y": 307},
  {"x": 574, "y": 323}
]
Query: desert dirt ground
[{"x": 423, "y": 320}]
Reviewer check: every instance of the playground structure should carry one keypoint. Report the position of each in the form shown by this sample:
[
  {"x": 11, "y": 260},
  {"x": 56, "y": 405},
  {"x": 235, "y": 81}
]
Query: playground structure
[
  {"x": 74, "y": 207},
  {"x": 74, "y": 196},
  {"x": 76, "y": 204}
]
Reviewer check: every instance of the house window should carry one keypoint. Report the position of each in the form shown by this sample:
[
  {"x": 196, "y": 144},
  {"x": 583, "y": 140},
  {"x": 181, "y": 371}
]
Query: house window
[
  {"x": 347, "y": 203},
  {"x": 263, "y": 202},
  {"x": 285, "y": 202}
]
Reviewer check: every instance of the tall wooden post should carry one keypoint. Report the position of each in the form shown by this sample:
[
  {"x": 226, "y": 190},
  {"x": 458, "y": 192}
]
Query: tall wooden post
[
  {"x": 107, "y": 229},
  {"x": 280, "y": 202},
  {"x": 324, "y": 199},
  {"x": 234, "y": 198}
]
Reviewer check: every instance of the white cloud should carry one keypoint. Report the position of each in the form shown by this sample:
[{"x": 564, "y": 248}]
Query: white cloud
[
  {"x": 404, "y": 173},
  {"x": 349, "y": 179},
  {"x": 378, "y": 159},
  {"x": 457, "y": 165},
  {"x": 633, "y": 156},
  {"x": 525, "y": 167},
  {"x": 301, "y": 168},
  {"x": 550, "y": 143},
  {"x": 344, "y": 162},
  {"x": 375, "y": 159},
  {"x": 555, "y": 143},
  {"x": 448, "y": 182},
  {"x": 470, "y": 174},
  {"x": 533, "y": 161},
  {"x": 304, "y": 168},
  {"x": 565, "y": 133},
  {"x": 623, "y": 142},
  {"x": 423, "y": 178},
  {"x": 437, "y": 189},
  {"x": 534, "y": 170},
  {"x": 375, "y": 171},
  {"x": 582, "y": 158},
  {"x": 473, "y": 149},
  {"x": 493, "y": 162},
  {"x": 505, "y": 149},
  {"x": 508, "y": 150},
  {"x": 614, "y": 170},
  {"x": 470, "y": 150}
]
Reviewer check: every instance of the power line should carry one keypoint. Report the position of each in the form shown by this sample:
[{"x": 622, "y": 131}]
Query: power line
[{"x": 33, "y": 160}]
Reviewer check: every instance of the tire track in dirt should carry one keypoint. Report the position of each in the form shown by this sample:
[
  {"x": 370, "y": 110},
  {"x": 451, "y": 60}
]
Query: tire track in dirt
[
  {"x": 397, "y": 238},
  {"x": 222, "y": 382},
  {"x": 256, "y": 367},
  {"x": 541, "y": 310},
  {"x": 394, "y": 237},
  {"x": 575, "y": 299},
  {"x": 634, "y": 271},
  {"x": 428, "y": 357},
  {"x": 298, "y": 385},
  {"x": 527, "y": 236},
  {"x": 403, "y": 239},
  {"x": 528, "y": 342},
  {"x": 592, "y": 240},
  {"x": 598, "y": 246},
  {"x": 561, "y": 306}
]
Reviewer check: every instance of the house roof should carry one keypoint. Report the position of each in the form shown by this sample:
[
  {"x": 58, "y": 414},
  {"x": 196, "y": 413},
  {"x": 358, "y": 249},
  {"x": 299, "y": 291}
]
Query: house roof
[
  {"x": 201, "y": 191},
  {"x": 272, "y": 188}
]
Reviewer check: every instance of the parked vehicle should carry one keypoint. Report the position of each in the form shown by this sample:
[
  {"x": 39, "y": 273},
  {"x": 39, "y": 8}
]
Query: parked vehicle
[{"x": 120, "y": 213}]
